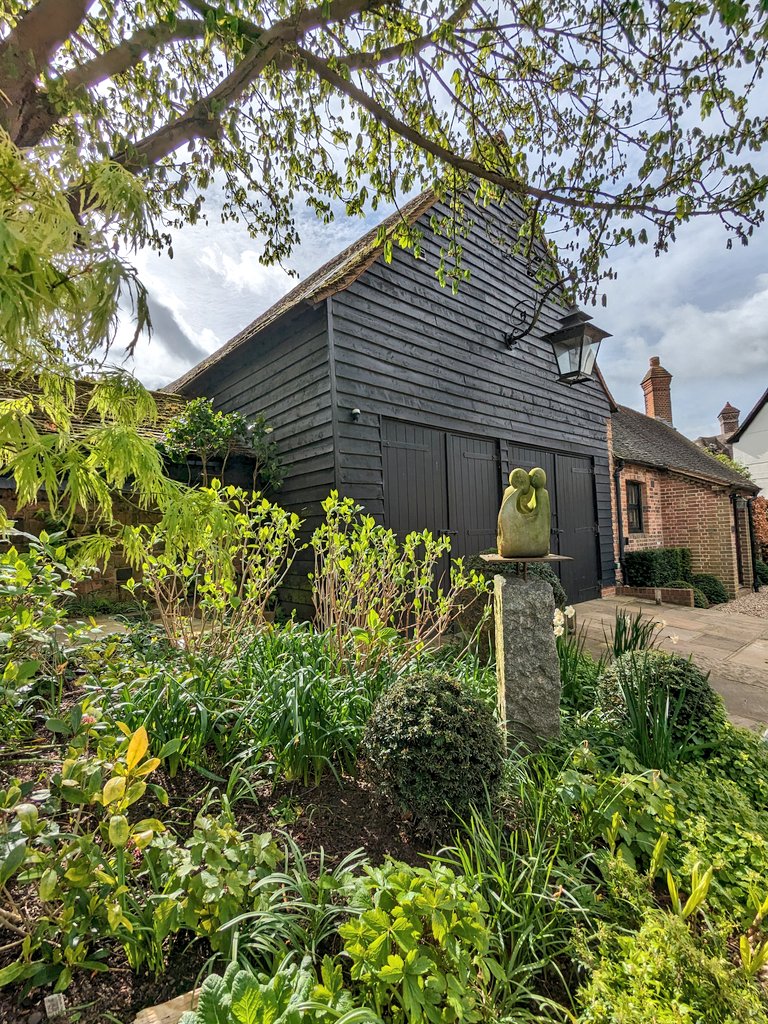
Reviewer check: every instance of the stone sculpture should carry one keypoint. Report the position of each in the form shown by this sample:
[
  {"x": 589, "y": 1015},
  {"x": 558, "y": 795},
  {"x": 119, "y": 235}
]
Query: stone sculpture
[{"x": 524, "y": 519}]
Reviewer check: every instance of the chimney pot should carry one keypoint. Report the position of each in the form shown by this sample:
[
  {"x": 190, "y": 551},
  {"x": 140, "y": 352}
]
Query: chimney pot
[
  {"x": 729, "y": 419},
  {"x": 656, "y": 388}
]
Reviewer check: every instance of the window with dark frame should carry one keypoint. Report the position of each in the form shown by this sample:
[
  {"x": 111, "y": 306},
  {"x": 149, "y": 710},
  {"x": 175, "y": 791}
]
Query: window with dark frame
[{"x": 635, "y": 506}]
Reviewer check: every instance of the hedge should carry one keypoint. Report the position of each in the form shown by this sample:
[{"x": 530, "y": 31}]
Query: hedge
[{"x": 657, "y": 566}]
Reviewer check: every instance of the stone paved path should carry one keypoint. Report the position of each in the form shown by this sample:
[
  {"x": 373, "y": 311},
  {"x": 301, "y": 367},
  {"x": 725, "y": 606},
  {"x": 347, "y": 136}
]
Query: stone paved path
[{"x": 733, "y": 648}]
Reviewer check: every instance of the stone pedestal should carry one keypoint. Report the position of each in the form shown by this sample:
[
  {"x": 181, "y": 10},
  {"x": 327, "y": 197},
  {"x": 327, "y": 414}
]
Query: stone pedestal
[{"x": 527, "y": 666}]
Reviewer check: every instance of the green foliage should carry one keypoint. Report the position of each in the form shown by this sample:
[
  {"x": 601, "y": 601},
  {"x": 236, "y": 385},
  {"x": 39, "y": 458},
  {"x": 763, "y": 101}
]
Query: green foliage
[
  {"x": 711, "y": 587},
  {"x": 631, "y": 631},
  {"x": 718, "y": 824},
  {"x": 82, "y": 864},
  {"x": 283, "y": 706},
  {"x": 418, "y": 951},
  {"x": 240, "y": 997},
  {"x": 306, "y": 709},
  {"x": 663, "y": 703},
  {"x": 737, "y": 467},
  {"x": 579, "y": 672},
  {"x": 87, "y": 605},
  {"x": 532, "y": 899},
  {"x": 212, "y": 578},
  {"x": 36, "y": 578},
  {"x": 207, "y": 433},
  {"x": 299, "y": 908},
  {"x": 213, "y": 877},
  {"x": 700, "y": 599},
  {"x": 655, "y": 567},
  {"x": 625, "y": 807},
  {"x": 376, "y": 594},
  {"x": 667, "y": 974},
  {"x": 80, "y": 468},
  {"x": 208, "y": 110},
  {"x": 433, "y": 748},
  {"x": 762, "y": 572},
  {"x": 61, "y": 281}
]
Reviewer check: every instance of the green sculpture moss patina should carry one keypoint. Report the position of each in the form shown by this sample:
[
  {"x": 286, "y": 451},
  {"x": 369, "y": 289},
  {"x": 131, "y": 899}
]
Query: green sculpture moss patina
[{"x": 524, "y": 519}]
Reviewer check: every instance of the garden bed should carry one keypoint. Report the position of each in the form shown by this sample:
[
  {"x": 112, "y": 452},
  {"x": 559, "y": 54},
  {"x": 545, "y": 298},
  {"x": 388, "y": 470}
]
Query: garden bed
[{"x": 330, "y": 818}]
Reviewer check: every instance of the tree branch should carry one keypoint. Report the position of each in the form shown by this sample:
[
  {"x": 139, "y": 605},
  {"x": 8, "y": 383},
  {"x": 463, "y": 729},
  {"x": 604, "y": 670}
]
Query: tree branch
[
  {"x": 201, "y": 119},
  {"x": 517, "y": 186},
  {"x": 130, "y": 52},
  {"x": 27, "y": 50}
]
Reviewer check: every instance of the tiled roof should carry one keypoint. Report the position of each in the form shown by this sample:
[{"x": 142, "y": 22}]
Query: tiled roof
[
  {"x": 651, "y": 442},
  {"x": 334, "y": 276},
  {"x": 168, "y": 406}
]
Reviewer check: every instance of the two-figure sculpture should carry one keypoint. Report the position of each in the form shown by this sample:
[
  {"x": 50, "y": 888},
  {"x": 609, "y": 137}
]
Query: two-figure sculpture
[{"x": 524, "y": 518}]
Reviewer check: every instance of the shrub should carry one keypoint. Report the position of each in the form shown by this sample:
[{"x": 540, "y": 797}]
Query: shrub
[
  {"x": 699, "y": 597},
  {"x": 711, "y": 587},
  {"x": 686, "y": 691},
  {"x": 380, "y": 595},
  {"x": 666, "y": 974},
  {"x": 432, "y": 746},
  {"x": 762, "y": 573},
  {"x": 657, "y": 566},
  {"x": 419, "y": 945}
]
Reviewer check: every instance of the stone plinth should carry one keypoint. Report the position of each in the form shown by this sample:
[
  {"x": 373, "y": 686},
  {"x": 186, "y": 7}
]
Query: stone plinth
[{"x": 527, "y": 666}]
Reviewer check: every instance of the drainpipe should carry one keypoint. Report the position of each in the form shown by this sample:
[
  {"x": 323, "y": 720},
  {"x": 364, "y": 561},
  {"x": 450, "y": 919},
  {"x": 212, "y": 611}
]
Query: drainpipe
[
  {"x": 617, "y": 468},
  {"x": 752, "y": 542}
]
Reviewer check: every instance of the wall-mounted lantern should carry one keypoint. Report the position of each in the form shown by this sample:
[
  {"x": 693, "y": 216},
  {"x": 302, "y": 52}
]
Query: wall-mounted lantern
[{"x": 576, "y": 345}]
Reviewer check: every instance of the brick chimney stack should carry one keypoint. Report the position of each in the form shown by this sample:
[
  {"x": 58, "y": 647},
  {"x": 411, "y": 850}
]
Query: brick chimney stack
[
  {"x": 658, "y": 399},
  {"x": 729, "y": 420}
]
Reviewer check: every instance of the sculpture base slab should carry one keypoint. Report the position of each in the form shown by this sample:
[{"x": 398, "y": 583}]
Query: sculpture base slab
[{"x": 527, "y": 666}]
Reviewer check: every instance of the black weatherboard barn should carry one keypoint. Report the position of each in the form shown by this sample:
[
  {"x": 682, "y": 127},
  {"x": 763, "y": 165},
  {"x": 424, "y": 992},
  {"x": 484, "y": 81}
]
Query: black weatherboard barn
[{"x": 386, "y": 386}]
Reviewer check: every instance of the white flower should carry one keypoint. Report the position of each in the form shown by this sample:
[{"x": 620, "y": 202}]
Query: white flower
[
  {"x": 559, "y": 630},
  {"x": 569, "y": 611},
  {"x": 673, "y": 639}
]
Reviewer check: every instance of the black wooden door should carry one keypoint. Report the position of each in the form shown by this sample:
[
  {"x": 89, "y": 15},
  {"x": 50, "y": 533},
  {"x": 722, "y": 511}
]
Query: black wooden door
[
  {"x": 446, "y": 483},
  {"x": 577, "y": 521},
  {"x": 415, "y": 478},
  {"x": 473, "y": 493}
]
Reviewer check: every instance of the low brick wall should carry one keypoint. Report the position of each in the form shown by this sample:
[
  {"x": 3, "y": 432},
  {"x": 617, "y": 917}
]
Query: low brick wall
[{"x": 661, "y": 595}]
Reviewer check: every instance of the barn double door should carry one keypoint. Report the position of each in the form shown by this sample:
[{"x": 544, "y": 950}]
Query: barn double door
[
  {"x": 443, "y": 482},
  {"x": 452, "y": 484}
]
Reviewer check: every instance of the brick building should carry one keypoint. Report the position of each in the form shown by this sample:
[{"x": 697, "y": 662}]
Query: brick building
[{"x": 672, "y": 493}]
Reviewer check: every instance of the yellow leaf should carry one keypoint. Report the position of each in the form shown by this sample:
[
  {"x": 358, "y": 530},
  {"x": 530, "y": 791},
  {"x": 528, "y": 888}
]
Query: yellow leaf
[
  {"x": 113, "y": 790},
  {"x": 148, "y": 766},
  {"x": 137, "y": 748}
]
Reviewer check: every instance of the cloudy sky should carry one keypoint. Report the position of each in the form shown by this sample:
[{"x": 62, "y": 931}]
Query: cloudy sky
[{"x": 701, "y": 307}]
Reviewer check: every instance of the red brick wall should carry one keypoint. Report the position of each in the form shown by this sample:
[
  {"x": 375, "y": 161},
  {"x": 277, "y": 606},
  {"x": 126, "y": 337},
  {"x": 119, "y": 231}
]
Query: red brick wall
[
  {"x": 699, "y": 516},
  {"x": 682, "y": 512},
  {"x": 106, "y": 583},
  {"x": 651, "y": 490}
]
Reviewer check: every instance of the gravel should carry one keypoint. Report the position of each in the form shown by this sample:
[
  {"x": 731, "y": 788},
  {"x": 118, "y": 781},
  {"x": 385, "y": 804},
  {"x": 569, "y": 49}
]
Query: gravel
[{"x": 752, "y": 603}]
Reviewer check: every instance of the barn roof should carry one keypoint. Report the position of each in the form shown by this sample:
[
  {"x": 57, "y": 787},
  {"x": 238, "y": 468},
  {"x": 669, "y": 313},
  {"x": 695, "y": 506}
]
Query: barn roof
[
  {"x": 651, "y": 442},
  {"x": 332, "y": 277},
  {"x": 83, "y": 418}
]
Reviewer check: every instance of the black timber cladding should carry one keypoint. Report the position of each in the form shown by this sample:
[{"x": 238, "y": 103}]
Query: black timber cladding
[
  {"x": 407, "y": 349},
  {"x": 283, "y": 375},
  {"x": 400, "y": 348}
]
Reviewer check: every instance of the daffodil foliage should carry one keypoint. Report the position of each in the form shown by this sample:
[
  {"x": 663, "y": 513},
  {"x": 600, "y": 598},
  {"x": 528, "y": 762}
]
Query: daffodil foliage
[{"x": 607, "y": 120}]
